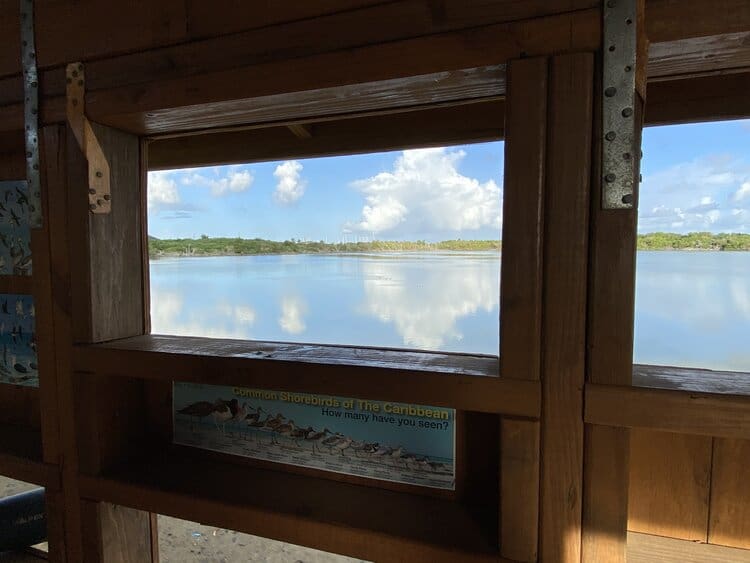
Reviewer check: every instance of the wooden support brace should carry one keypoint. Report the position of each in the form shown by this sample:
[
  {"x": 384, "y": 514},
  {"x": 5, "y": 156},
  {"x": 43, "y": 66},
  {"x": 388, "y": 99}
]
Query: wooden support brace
[{"x": 99, "y": 177}]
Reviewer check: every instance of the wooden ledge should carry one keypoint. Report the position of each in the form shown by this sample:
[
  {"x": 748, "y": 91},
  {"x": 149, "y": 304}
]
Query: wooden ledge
[
  {"x": 338, "y": 517},
  {"x": 460, "y": 381},
  {"x": 670, "y": 410},
  {"x": 20, "y": 285}
]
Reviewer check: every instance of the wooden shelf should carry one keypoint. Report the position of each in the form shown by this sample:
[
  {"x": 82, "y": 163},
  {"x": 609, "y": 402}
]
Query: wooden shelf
[
  {"x": 356, "y": 520},
  {"x": 21, "y": 457},
  {"x": 460, "y": 381},
  {"x": 687, "y": 401}
]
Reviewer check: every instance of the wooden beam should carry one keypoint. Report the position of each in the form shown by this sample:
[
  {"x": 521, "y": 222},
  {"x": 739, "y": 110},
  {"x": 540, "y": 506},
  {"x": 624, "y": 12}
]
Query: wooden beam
[
  {"x": 458, "y": 381},
  {"x": 319, "y": 513},
  {"x": 704, "y": 98},
  {"x": 521, "y": 300},
  {"x": 568, "y": 174},
  {"x": 699, "y": 56},
  {"x": 477, "y": 122},
  {"x": 674, "y": 20},
  {"x": 669, "y": 410}
]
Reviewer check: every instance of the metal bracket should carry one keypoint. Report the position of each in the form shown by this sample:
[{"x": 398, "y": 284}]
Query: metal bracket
[
  {"x": 98, "y": 167},
  {"x": 619, "y": 152},
  {"x": 31, "y": 111}
]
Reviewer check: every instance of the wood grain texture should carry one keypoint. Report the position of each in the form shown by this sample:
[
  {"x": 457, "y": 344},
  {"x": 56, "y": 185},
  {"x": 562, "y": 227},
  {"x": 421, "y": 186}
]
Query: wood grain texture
[
  {"x": 458, "y": 381},
  {"x": 21, "y": 457},
  {"x": 564, "y": 317},
  {"x": 730, "y": 494},
  {"x": 519, "y": 486},
  {"x": 704, "y": 98},
  {"x": 521, "y": 299},
  {"x": 667, "y": 410},
  {"x": 699, "y": 55},
  {"x": 315, "y": 512},
  {"x": 644, "y": 548},
  {"x": 107, "y": 274},
  {"x": 669, "y": 484},
  {"x": 692, "y": 379},
  {"x": 672, "y": 20},
  {"x": 433, "y": 126}
]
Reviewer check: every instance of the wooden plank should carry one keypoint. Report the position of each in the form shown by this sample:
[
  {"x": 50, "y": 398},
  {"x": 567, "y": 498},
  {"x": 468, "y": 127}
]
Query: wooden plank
[
  {"x": 643, "y": 548},
  {"x": 21, "y": 457},
  {"x": 519, "y": 489},
  {"x": 16, "y": 284},
  {"x": 54, "y": 172},
  {"x": 699, "y": 55},
  {"x": 477, "y": 122},
  {"x": 125, "y": 107},
  {"x": 521, "y": 299},
  {"x": 730, "y": 494},
  {"x": 672, "y": 20},
  {"x": 611, "y": 309},
  {"x": 89, "y": 29},
  {"x": 670, "y": 411},
  {"x": 107, "y": 278},
  {"x": 457, "y": 381},
  {"x": 564, "y": 317},
  {"x": 319, "y": 513},
  {"x": 706, "y": 98},
  {"x": 669, "y": 484},
  {"x": 692, "y": 379},
  {"x": 19, "y": 405}
]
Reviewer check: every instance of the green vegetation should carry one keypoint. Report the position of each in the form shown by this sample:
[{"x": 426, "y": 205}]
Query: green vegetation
[
  {"x": 208, "y": 246},
  {"x": 223, "y": 246},
  {"x": 694, "y": 241}
]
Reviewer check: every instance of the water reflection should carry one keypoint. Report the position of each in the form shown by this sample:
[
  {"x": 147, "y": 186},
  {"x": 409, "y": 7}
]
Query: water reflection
[
  {"x": 445, "y": 301},
  {"x": 425, "y": 310},
  {"x": 693, "y": 309}
]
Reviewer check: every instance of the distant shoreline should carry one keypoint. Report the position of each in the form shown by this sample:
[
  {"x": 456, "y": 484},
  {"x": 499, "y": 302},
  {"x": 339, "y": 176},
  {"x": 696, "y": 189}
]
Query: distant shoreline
[{"x": 224, "y": 246}]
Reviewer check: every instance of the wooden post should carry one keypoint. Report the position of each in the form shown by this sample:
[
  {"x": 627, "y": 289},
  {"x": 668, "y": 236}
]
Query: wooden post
[
  {"x": 98, "y": 298},
  {"x": 566, "y": 229},
  {"x": 610, "y": 338},
  {"x": 521, "y": 299}
]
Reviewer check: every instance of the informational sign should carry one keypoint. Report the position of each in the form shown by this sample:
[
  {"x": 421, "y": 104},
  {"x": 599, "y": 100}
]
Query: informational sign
[
  {"x": 15, "y": 236},
  {"x": 396, "y": 442},
  {"x": 18, "y": 359}
]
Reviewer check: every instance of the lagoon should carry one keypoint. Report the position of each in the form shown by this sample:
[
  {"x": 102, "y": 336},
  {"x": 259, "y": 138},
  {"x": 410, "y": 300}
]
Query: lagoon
[{"x": 692, "y": 308}]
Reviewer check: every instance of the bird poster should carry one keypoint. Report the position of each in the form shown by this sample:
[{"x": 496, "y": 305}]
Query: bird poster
[
  {"x": 397, "y": 442},
  {"x": 15, "y": 236},
  {"x": 18, "y": 363}
]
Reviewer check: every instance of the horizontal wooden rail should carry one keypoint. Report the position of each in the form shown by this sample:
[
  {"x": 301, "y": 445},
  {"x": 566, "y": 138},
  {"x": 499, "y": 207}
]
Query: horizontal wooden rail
[
  {"x": 339, "y": 517},
  {"x": 669, "y": 410},
  {"x": 460, "y": 381}
]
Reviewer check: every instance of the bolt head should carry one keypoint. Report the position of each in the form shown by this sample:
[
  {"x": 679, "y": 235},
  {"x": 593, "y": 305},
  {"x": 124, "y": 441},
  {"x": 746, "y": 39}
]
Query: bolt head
[
  {"x": 627, "y": 199},
  {"x": 610, "y": 177},
  {"x": 611, "y": 91},
  {"x": 627, "y": 112},
  {"x": 610, "y": 136}
]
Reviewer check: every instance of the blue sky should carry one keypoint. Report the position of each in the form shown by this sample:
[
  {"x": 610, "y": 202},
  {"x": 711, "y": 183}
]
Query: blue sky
[{"x": 695, "y": 178}]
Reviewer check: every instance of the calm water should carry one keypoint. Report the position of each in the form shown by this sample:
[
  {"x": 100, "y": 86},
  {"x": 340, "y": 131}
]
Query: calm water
[{"x": 692, "y": 308}]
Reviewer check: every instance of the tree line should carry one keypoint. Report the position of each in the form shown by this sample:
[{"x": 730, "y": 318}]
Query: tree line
[{"x": 226, "y": 246}]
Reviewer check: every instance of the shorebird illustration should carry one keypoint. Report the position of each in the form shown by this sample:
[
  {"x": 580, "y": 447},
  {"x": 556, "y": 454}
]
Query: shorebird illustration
[{"x": 316, "y": 437}]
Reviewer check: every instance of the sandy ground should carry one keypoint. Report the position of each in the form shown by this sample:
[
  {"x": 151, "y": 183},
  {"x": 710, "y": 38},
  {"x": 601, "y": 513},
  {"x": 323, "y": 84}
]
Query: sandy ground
[{"x": 181, "y": 541}]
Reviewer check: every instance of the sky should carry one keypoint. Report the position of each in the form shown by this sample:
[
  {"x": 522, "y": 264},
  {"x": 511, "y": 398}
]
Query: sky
[{"x": 695, "y": 178}]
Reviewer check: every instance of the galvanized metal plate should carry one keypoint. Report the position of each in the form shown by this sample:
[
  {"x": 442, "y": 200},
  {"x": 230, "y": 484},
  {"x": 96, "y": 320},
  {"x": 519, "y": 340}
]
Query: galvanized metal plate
[
  {"x": 619, "y": 152},
  {"x": 31, "y": 111},
  {"x": 99, "y": 174}
]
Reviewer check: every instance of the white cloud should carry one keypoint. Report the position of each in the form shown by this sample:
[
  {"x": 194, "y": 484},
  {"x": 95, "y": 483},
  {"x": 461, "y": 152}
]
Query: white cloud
[
  {"x": 711, "y": 193},
  {"x": 162, "y": 191},
  {"x": 425, "y": 191},
  {"x": 291, "y": 186},
  {"x": 743, "y": 193},
  {"x": 225, "y": 180},
  {"x": 426, "y": 310},
  {"x": 292, "y": 311}
]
